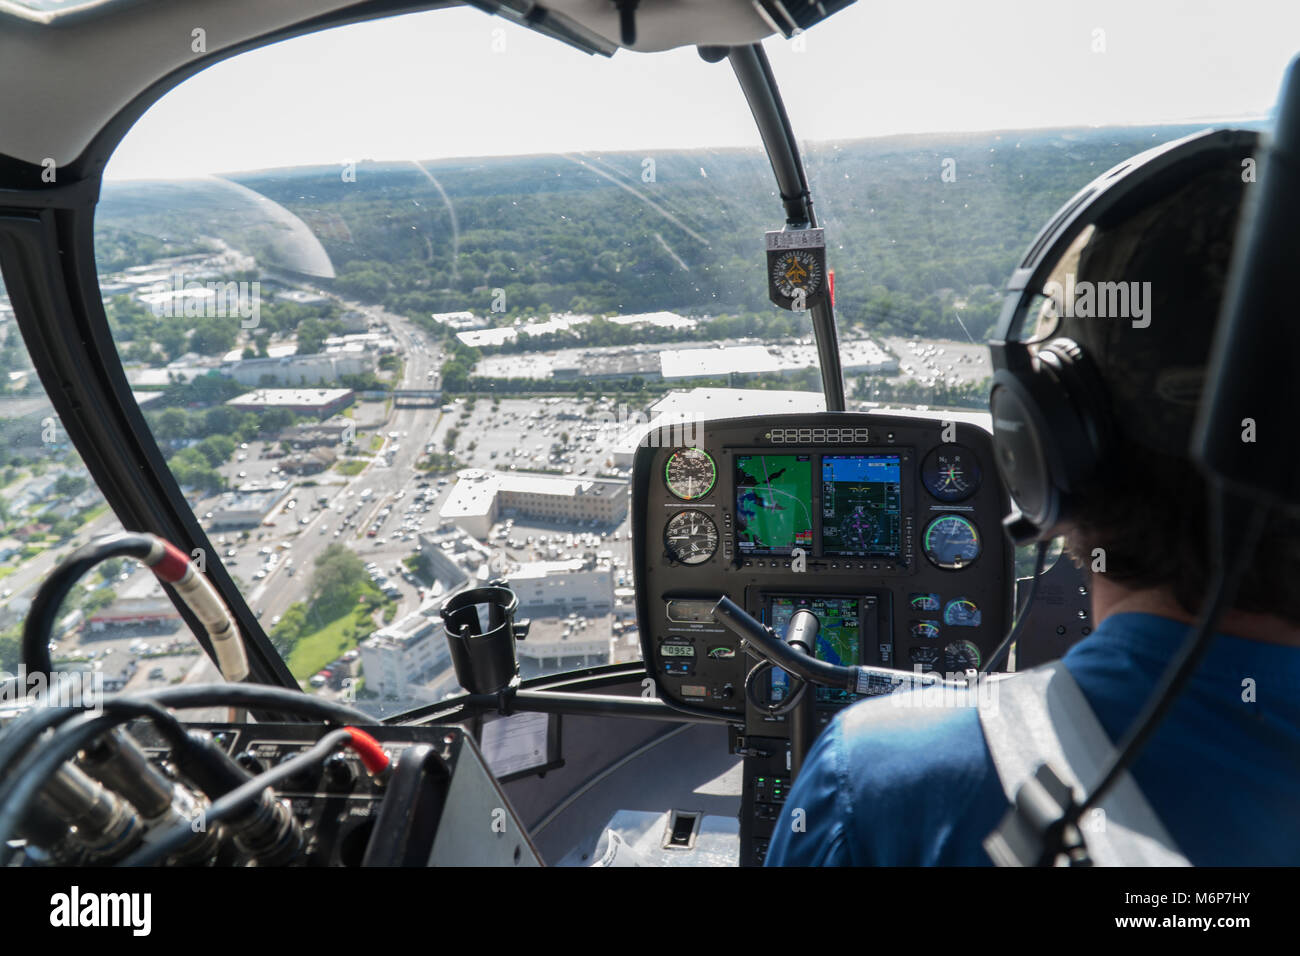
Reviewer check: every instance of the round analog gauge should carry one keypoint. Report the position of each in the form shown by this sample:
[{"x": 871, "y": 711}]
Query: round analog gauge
[
  {"x": 961, "y": 656},
  {"x": 924, "y": 601},
  {"x": 961, "y": 612},
  {"x": 951, "y": 542},
  {"x": 951, "y": 473},
  {"x": 691, "y": 537},
  {"x": 924, "y": 630},
  {"x": 924, "y": 657},
  {"x": 690, "y": 473},
  {"x": 797, "y": 271}
]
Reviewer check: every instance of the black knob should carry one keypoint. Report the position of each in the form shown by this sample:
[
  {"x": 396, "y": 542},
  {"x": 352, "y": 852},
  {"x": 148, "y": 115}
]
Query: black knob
[
  {"x": 339, "y": 773},
  {"x": 251, "y": 762},
  {"x": 728, "y": 691}
]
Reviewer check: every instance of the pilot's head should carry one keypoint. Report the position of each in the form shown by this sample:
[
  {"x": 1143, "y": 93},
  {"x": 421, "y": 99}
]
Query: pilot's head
[{"x": 1128, "y": 312}]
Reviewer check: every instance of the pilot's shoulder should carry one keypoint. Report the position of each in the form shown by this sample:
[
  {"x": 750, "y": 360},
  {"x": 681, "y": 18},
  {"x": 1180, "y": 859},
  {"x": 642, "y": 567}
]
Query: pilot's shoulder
[
  {"x": 918, "y": 764},
  {"x": 913, "y": 739}
]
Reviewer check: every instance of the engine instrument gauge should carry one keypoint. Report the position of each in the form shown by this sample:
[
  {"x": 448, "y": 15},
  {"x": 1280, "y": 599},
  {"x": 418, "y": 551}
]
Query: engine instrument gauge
[
  {"x": 960, "y": 656},
  {"x": 924, "y": 657},
  {"x": 951, "y": 473},
  {"x": 924, "y": 630},
  {"x": 690, "y": 473},
  {"x": 951, "y": 542},
  {"x": 961, "y": 612},
  {"x": 924, "y": 601},
  {"x": 691, "y": 537}
]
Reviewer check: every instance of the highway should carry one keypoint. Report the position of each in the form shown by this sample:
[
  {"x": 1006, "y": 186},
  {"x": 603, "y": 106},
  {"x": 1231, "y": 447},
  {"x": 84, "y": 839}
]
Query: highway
[{"x": 414, "y": 427}]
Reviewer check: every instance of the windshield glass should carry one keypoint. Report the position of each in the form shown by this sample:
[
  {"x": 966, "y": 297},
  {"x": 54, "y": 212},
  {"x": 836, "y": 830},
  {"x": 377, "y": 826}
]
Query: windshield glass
[
  {"x": 116, "y": 629},
  {"x": 400, "y": 327}
]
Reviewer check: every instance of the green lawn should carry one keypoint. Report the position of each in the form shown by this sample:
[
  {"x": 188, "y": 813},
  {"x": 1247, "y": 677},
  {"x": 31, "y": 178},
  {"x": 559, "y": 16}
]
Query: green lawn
[
  {"x": 315, "y": 650},
  {"x": 351, "y": 466}
]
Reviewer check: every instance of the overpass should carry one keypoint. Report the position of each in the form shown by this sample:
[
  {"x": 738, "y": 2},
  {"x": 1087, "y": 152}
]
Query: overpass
[{"x": 405, "y": 397}]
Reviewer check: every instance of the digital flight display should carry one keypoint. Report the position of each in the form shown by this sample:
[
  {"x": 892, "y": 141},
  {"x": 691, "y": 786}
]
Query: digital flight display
[
  {"x": 676, "y": 650},
  {"x": 839, "y": 637},
  {"x": 774, "y": 509},
  {"x": 862, "y": 505}
]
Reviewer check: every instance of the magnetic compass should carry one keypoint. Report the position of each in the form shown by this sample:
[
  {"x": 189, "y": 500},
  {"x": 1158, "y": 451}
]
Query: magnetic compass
[{"x": 797, "y": 272}]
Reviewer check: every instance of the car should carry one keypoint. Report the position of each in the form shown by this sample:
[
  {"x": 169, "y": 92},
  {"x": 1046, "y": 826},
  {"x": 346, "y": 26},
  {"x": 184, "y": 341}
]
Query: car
[
  {"x": 243, "y": 474},
  {"x": 156, "y": 673}
]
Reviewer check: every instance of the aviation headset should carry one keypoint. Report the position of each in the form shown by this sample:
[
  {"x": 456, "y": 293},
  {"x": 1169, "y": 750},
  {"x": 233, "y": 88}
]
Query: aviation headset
[{"x": 1052, "y": 423}]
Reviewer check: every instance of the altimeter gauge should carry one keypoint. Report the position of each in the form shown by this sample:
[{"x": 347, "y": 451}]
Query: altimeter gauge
[{"x": 691, "y": 537}]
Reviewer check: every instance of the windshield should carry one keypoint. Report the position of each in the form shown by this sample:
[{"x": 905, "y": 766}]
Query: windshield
[{"x": 399, "y": 328}]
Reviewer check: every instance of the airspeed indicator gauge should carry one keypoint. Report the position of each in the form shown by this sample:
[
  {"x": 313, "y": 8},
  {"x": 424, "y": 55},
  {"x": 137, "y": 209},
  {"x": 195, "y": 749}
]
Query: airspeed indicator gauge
[
  {"x": 690, "y": 473},
  {"x": 691, "y": 537}
]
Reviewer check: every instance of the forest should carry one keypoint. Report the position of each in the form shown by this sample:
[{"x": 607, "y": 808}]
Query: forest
[{"x": 922, "y": 231}]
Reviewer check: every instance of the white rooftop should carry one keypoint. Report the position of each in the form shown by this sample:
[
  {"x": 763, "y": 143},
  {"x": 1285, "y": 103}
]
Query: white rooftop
[
  {"x": 701, "y": 363},
  {"x": 290, "y": 396},
  {"x": 474, "y": 493}
]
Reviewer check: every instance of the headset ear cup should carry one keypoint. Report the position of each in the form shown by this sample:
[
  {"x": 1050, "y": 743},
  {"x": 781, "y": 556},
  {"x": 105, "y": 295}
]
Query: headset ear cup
[
  {"x": 1085, "y": 436},
  {"x": 1022, "y": 456},
  {"x": 1049, "y": 430}
]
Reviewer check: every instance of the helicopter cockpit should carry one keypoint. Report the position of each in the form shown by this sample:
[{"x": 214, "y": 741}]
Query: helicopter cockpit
[{"x": 395, "y": 481}]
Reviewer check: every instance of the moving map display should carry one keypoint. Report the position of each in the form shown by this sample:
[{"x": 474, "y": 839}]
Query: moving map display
[
  {"x": 862, "y": 505},
  {"x": 839, "y": 639},
  {"x": 774, "y": 512}
]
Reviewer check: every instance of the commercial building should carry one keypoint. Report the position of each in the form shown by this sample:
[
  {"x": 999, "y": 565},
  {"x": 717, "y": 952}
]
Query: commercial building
[
  {"x": 247, "y": 507},
  {"x": 396, "y": 660},
  {"x": 320, "y": 402},
  {"x": 461, "y": 321},
  {"x": 311, "y": 462},
  {"x": 314, "y": 369},
  {"x": 547, "y": 588},
  {"x": 152, "y": 612},
  {"x": 311, "y": 434},
  {"x": 479, "y": 497}
]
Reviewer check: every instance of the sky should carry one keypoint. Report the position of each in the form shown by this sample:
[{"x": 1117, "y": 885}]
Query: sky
[{"x": 458, "y": 82}]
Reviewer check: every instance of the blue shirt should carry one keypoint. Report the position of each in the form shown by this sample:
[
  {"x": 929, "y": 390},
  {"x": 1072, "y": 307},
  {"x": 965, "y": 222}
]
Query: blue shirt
[{"x": 893, "y": 786}]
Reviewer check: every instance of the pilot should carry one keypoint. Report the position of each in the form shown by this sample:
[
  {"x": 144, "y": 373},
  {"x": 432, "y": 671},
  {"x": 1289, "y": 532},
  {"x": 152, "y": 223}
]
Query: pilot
[{"x": 894, "y": 785}]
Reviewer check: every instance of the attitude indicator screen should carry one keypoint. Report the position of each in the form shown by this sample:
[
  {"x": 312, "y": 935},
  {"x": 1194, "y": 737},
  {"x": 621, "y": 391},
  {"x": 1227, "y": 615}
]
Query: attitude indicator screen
[
  {"x": 862, "y": 505},
  {"x": 774, "y": 510},
  {"x": 839, "y": 637}
]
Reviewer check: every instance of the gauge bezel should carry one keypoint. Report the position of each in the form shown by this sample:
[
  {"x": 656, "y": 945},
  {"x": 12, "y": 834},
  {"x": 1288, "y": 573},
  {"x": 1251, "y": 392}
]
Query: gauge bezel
[
  {"x": 713, "y": 463},
  {"x": 932, "y": 455},
  {"x": 979, "y": 655},
  {"x": 949, "y": 566},
  {"x": 948, "y": 606},
  {"x": 694, "y": 560}
]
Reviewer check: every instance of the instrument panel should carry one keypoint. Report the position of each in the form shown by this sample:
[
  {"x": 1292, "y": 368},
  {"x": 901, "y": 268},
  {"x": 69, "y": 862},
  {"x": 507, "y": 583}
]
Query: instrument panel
[{"x": 885, "y": 527}]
